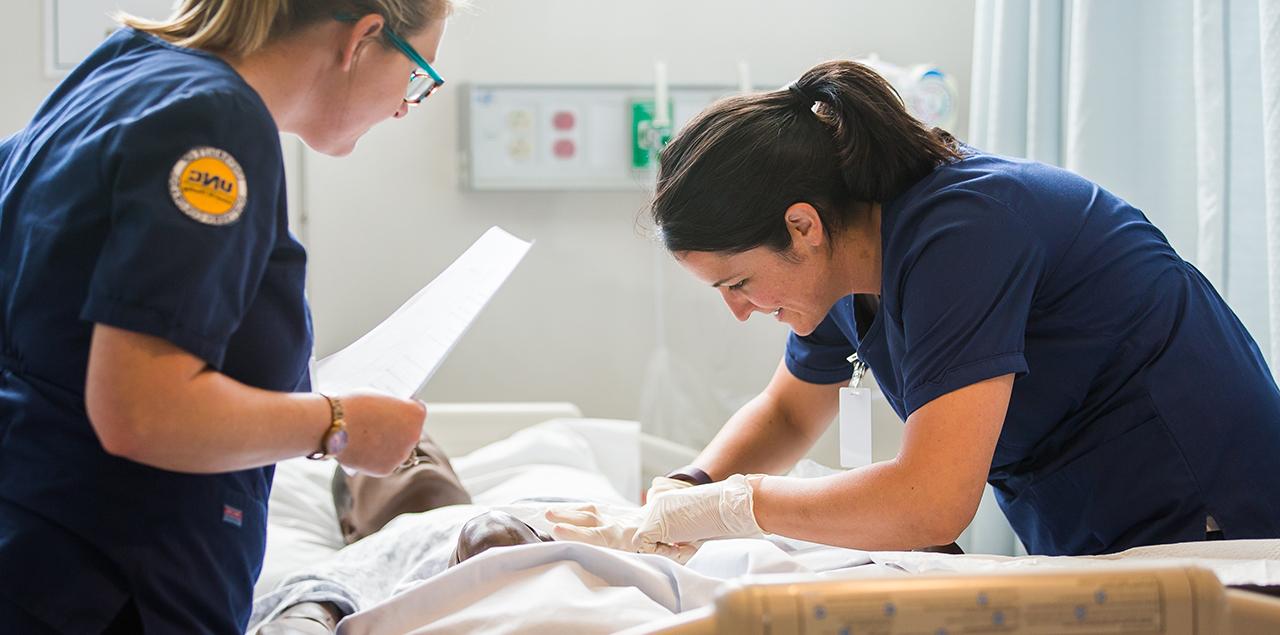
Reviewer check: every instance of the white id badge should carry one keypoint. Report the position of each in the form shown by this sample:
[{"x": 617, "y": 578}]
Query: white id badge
[{"x": 855, "y": 427}]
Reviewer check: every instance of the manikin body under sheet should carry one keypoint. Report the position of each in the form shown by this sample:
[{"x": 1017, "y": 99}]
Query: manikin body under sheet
[
  {"x": 364, "y": 506},
  {"x": 316, "y": 604},
  {"x": 384, "y": 557}
]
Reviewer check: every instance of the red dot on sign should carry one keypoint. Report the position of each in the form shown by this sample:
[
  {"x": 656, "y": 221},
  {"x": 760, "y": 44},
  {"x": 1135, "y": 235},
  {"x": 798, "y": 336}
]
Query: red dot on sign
[
  {"x": 564, "y": 148},
  {"x": 563, "y": 120}
]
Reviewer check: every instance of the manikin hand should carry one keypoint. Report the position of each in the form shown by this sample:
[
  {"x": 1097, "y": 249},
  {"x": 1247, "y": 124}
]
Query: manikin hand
[{"x": 614, "y": 529}]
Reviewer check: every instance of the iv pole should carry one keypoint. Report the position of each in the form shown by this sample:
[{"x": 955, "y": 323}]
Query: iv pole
[{"x": 666, "y": 406}]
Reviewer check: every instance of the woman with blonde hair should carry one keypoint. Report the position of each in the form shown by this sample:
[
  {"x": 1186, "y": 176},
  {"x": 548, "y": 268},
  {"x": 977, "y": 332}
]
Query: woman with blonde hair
[{"x": 154, "y": 332}]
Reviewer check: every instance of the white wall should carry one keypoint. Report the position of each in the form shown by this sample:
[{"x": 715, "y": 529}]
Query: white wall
[{"x": 576, "y": 321}]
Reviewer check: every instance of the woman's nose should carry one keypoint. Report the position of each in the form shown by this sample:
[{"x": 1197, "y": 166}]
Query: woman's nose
[
  {"x": 741, "y": 307},
  {"x": 402, "y": 110}
]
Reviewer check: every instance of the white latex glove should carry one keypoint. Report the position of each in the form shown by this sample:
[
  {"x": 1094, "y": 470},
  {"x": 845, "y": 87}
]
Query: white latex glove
[
  {"x": 615, "y": 530},
  {"x": 662, "y": 484},
  {"x": 703, "y": 512}
]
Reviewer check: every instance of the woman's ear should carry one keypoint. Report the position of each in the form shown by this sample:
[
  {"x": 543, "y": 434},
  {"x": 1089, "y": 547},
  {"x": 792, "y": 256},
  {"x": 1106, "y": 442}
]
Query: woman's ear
[
  {"x": 359, "y": 33},
  {"x": 805, "y": 225}
]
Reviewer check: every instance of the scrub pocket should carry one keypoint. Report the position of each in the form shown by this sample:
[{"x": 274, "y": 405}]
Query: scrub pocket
[
  {"x": 239, "y": 539},
  {"x": 1134, "y": 489}
]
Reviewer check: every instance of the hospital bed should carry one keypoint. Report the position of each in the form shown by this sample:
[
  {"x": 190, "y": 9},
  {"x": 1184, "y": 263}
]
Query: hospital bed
[
  {"x": 969, "y": 593},
  {"x": 301, "y": 526}
]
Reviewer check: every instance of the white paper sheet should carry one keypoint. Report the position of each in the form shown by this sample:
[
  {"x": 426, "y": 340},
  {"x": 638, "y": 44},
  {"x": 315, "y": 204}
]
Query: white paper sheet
[{"x": 399, "y": 355}]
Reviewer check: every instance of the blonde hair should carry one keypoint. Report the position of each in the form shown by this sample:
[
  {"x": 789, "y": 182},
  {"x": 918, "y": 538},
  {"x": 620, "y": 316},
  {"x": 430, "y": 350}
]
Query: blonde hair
[{"x": 239, "y": 27}]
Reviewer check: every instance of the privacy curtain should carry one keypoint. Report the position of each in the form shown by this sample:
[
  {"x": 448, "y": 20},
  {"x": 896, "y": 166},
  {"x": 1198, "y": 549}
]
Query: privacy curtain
[{"x": 1174, "y": 105}]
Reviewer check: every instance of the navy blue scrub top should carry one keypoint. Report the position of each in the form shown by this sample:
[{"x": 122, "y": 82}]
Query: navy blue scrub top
[
  {"x": 1140, "y": 404},
  {"x": 148, "y": 194}
]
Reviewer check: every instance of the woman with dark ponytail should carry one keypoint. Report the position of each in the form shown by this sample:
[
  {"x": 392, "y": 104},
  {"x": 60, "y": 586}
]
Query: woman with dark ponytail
[
  {"x": 1033, "y": 330},
  {"x": 154, "y": 330}
]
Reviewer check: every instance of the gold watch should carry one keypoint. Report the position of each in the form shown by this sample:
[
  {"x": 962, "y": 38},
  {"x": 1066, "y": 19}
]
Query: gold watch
[{"x": 335, "y": 438}]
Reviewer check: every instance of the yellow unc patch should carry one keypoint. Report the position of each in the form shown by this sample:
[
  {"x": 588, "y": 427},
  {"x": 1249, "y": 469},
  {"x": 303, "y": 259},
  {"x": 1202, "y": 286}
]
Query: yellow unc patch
[{"x": 208, "y": 185}]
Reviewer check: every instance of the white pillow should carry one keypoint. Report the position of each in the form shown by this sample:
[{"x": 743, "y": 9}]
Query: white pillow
[{"x": 302, "y": 525}]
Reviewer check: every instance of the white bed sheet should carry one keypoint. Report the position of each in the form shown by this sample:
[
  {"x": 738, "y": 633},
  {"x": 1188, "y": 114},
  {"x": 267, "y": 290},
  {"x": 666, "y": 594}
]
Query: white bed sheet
[{"x": 564, "y": 587}]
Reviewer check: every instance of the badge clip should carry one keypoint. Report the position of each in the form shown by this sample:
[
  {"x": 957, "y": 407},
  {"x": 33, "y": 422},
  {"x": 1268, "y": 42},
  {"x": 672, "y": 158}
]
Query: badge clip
[{"x": 855, "y": 418}]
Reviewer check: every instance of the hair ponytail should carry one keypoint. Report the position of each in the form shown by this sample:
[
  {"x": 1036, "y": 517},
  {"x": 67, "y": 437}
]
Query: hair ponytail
[
  {"x": 881, "y": 147},
  {"x": 234, "y": 27},
  {"x": 838, "y": 136},
  {"x": 240, "y": 27}
]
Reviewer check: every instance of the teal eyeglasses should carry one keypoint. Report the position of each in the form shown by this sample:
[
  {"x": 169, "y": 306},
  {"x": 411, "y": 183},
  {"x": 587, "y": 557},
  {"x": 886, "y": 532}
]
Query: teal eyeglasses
[{"x": 423, "y": 80}]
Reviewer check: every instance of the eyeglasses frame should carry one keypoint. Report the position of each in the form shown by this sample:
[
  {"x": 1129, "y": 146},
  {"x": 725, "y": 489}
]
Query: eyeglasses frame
[{"x": 407, "y": 49}]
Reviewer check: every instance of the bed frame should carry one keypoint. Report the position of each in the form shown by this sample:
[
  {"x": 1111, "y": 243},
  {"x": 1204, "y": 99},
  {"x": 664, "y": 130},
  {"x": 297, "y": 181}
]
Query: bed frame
[{"x": 1133, "y": 598}]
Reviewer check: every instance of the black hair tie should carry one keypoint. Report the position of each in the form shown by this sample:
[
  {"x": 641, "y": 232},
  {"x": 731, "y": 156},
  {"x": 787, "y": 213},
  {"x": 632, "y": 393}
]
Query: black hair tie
[{"x": 800, "y": 97}]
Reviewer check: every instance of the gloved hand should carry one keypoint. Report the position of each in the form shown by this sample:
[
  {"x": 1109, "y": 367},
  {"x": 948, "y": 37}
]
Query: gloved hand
[
  {"x": 662, "y": 484},
  {"x": 613, "y": 529},
  {"x": 674, "y": 523},
  {"x": 694, "y": 514}
]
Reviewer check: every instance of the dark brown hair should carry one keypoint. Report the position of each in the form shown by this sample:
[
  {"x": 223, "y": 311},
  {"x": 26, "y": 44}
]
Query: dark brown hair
[{"x": 838, "y": 136}]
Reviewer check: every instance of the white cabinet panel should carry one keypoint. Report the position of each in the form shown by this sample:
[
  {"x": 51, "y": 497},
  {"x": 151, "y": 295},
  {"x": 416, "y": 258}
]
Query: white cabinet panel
[{"x": 73, "y": 28}]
